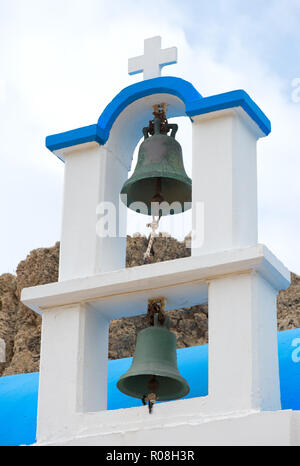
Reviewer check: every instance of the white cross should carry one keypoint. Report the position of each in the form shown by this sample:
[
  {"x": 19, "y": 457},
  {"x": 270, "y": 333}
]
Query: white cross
[{"x": 153, "y": 60}]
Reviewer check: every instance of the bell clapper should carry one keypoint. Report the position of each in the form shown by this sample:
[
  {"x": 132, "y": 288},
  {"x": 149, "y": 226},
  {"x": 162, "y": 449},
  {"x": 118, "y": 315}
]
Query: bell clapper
[
  {"x": 156, "y": 317},
  {"x": 151, "y": 398}
]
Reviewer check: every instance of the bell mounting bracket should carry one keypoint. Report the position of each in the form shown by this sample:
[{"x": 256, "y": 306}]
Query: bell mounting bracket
[
  {"x": 160, "y": 124},
  {"x": 156, "y": 312}
]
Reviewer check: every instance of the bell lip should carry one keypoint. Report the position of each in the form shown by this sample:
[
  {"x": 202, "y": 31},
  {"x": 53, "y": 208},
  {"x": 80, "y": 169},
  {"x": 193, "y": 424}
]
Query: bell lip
[
  {"x": 157, "y": 373},
  {"x": 185, "y": 180},
  {"x": 182, "y": 394}
]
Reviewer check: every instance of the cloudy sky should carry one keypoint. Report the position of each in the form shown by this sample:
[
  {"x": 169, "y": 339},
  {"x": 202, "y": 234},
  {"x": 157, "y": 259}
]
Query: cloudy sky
[{"x": 62, "y": 61}]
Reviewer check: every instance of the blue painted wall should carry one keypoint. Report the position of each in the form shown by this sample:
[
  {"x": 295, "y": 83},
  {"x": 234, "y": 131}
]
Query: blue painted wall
[{"x": 19, "y": 393}]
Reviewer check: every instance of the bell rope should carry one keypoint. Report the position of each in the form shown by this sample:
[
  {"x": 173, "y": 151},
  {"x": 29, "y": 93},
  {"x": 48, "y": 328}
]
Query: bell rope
[{"x": 154, "y": 226}]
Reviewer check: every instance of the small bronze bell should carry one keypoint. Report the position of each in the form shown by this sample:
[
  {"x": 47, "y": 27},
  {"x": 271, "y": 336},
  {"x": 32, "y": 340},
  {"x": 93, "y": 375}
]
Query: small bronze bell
[
  {"x": 159, "y": 175},
  {"x": 154, "y": 374}
]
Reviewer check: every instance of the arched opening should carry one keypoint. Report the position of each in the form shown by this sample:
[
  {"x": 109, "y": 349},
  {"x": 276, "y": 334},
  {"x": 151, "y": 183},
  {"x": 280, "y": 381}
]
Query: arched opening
[{"x": 123, "y": 143}]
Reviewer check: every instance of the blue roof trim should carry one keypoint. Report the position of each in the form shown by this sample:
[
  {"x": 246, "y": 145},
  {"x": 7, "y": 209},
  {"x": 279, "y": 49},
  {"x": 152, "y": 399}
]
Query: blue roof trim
[
  {"x": 195, "y": 104},
  {"x": 75, "y": 137},
  {"x": 231, "y": 99}
]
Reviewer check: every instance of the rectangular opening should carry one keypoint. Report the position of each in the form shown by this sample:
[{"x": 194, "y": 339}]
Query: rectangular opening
[{"x": 190, "y": 326}]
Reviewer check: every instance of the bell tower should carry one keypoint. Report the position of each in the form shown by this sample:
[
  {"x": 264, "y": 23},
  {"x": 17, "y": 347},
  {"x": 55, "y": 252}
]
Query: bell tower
[{"x": 238, "y": 277}]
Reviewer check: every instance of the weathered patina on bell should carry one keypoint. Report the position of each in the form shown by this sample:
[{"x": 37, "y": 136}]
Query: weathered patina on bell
[
  {"x": 159, "y": 175},
  {"x": 154, "y": 373}
]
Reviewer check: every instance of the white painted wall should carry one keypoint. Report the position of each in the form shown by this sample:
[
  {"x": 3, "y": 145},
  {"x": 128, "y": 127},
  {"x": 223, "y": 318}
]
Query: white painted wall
[
  {"x": 73, "y": 367},
  {"x": 92, "y": 175},
  {"x": 279, "y": 428},
  {"x": 61, "y": 342},
  {"x": 224, "y": 181},
  {"x": 243, "y": 363}
]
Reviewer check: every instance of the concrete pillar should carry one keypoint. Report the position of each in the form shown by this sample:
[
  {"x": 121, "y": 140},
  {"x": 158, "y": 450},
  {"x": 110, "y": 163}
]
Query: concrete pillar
[
  {"x": 73, "y": 367},
  {"x": 243, "y": 354},
  {"x": 224, "y": 181},
  {"x": 82, "y": 252}
]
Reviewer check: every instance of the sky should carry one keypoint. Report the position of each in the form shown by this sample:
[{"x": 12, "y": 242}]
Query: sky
[{"x": 62, "y": 61}]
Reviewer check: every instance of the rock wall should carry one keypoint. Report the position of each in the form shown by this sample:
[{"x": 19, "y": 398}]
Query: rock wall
[
  {"x": 8, "y": 316},
  {"x": 21, "y": 328},
  {"x": 24, "y": 326}
]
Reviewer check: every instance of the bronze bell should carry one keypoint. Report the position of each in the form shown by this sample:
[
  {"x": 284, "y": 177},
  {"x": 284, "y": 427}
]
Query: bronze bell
[
  {"x": 154, "y": 374},
  {"x": 159, "y": 175}
]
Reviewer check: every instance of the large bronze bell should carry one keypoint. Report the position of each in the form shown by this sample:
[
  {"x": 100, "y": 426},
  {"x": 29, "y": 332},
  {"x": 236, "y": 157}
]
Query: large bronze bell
[
  {"x": 159, "y": 175},
  {"x": 154, "y": 366}
]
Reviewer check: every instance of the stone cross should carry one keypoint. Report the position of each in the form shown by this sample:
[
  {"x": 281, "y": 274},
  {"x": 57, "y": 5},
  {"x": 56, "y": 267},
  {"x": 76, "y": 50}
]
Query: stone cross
[{"x": 153, "y": 60}]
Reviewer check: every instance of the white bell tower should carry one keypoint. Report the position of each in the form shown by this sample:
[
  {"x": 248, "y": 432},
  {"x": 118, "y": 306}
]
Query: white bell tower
[{"x": 228, "y": 269}]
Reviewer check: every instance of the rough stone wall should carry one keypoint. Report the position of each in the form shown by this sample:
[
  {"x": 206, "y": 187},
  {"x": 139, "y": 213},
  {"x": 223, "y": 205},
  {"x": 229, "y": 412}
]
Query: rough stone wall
[
  {"x": 288, "y": 305},
  {"x": 20, "y": 327},
  {"x": 40, "y": 267},
  {"x": 8, "y": 316}
]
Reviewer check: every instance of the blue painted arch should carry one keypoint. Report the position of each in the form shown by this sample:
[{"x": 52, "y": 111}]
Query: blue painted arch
[
  {"x": 193, "y": 101},
  {"x": 182, "y": 89}
]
